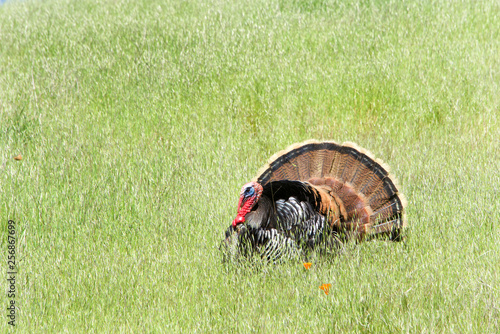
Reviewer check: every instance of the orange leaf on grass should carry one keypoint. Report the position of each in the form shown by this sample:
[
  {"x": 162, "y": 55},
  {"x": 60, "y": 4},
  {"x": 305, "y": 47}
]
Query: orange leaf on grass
[
  {"x": 307, "y": 265},
  {"x": 18, "y": 157},
  {"x": 325, "y": 288}
]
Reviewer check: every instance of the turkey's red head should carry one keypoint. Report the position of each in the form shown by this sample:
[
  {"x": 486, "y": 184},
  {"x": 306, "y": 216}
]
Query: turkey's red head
[{"x": 250, "y": 194}]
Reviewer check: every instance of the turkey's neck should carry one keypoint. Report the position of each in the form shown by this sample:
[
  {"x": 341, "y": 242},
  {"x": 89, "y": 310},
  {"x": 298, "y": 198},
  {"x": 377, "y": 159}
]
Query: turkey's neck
[{"x": 263, "y": 215}]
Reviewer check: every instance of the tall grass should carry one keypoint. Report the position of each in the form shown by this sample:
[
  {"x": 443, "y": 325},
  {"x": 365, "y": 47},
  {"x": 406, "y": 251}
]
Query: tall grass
[{"x": 138, "y": 122}]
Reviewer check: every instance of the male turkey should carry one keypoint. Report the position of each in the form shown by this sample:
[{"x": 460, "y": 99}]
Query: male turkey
[{"x": 315, "y": 195}]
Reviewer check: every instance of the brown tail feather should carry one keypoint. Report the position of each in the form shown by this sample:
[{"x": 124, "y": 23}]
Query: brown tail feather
[
  {"x": 385, "y": 190},
  {"x": 363, "y": 185},
  {"x": 349, "y": 163},
  {"x": 387, "y": 227},
  {"x": 388, "y": 209}
]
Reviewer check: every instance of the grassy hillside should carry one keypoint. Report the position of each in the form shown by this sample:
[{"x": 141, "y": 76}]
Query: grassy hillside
[{"x": 139, "y": 121}]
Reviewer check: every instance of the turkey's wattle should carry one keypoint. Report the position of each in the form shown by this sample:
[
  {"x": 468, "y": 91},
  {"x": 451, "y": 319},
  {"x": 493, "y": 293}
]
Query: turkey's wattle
[{"x": 315, "y": 195}]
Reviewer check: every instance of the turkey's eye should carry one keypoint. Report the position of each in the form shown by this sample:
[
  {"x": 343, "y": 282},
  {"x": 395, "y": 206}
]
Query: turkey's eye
[{"x": 249, "y": 191}]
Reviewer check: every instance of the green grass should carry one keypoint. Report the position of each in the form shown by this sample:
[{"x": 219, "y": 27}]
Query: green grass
[{"x": 139, "y": 121}]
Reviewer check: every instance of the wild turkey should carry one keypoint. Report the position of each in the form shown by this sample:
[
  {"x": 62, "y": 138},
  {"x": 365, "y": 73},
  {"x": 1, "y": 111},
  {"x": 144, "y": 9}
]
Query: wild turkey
[{"x": 315, "y": 195}]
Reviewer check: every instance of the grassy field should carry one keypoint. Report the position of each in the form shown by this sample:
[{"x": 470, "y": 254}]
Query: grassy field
[{"x": 139, "y": 121}]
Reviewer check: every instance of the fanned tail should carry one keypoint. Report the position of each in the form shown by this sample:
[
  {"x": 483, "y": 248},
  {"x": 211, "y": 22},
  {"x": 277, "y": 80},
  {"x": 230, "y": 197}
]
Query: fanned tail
[{"x": 367, "y": 194}]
